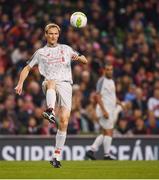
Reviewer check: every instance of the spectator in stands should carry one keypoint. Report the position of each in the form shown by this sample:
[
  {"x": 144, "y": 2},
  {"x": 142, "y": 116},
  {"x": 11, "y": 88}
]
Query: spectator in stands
[
  {"x": 89, "y": 114},
  {"x": 32, "y": 126},
  {"x": 5, "y": 127},
  {"x": 153, "y": 103},
  {"x": 152, "y": 124},
  {"x": 140, "y": 128},
  {"x": 122, "y": 129},
  {"x": 139, "y": 102}
]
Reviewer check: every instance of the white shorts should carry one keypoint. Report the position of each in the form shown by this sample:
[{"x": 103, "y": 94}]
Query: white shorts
[
  {"x": 110, "y": 122},
  {"x": 63, "y": 94}
]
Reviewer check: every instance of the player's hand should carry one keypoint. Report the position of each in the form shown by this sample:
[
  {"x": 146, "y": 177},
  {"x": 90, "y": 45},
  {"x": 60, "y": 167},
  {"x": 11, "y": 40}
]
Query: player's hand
[
  {"x": 75, "y": 57},
  {"x": 105, "y": 114},
  {"x": 124, "y": 106},
  {"x": 18, "y": 89}
]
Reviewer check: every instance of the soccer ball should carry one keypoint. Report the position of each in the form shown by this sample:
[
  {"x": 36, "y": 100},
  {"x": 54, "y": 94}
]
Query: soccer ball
[{"x": 78, "y": 20}]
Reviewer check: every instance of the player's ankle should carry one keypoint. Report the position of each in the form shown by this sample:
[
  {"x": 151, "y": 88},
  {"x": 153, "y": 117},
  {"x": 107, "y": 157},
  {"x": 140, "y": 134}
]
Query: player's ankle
[{"x": 50, "y": 110}]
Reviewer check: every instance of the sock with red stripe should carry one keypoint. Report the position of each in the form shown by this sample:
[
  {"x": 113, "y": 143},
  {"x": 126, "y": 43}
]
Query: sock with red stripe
[{"x": 60, "y": 141}]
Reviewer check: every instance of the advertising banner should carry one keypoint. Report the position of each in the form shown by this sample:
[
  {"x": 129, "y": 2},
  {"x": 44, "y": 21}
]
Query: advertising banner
[{"x": 37, "y": 148}]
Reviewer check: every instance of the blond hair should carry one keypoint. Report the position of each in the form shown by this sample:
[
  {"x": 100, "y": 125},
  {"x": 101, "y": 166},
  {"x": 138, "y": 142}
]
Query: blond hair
[{"x": 52, "y": 25}]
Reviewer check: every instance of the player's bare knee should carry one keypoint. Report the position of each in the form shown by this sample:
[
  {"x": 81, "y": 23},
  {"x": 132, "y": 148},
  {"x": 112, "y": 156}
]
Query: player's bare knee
[
  {"x": 63, "y": 124},
  {"x": 50, "y": 84}
]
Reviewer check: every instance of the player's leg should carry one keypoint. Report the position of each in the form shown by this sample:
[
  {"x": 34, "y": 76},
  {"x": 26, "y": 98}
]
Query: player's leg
[
  {"x": 108, "y": 132},
  {"x": 49, "y": 90},
  {"x": 94, "y": 147},
  {"x": 64, "y": 102},
  {"x": 64, "y": 115},
  {"x": 108, "y": 126},
  {"x": 107, "y": 141}
]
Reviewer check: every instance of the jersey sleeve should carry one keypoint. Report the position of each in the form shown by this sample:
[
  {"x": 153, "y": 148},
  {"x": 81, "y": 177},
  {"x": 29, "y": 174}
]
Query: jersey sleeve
[
  {"x": 73, "y": 52},
  {"x": 99, "y": 85},
  {"x": 34, "y": 59}
]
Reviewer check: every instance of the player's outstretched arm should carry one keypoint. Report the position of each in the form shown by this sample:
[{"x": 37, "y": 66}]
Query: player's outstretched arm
[
  {"x": 23, "y": 75},
  {"x": 81, "y": 59}
]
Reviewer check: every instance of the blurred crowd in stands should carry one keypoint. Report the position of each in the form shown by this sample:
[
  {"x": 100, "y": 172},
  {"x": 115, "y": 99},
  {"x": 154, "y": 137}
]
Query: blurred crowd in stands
[{"x": 125, "y": 32}]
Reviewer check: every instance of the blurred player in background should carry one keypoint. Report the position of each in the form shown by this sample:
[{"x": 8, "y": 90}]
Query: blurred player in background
[
  {"x": 107, "y": 110},
  {"x": 54, "y": 63}
]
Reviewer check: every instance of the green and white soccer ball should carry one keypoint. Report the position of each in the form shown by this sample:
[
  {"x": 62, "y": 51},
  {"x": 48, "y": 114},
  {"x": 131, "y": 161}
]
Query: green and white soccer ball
[{"x": 78, "y": 20}]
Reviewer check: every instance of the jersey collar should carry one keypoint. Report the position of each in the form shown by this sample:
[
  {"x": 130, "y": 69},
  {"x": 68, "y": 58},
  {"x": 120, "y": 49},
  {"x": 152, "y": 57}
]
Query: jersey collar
[{"x": 52, "y": 46}]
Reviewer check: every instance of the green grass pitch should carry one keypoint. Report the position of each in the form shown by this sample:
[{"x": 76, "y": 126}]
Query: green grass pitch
[{"x": 80, "y": 170}]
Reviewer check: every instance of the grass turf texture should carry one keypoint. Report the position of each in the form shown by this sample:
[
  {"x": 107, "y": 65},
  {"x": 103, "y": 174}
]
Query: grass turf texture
[{"x": 80, "y": 170}]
